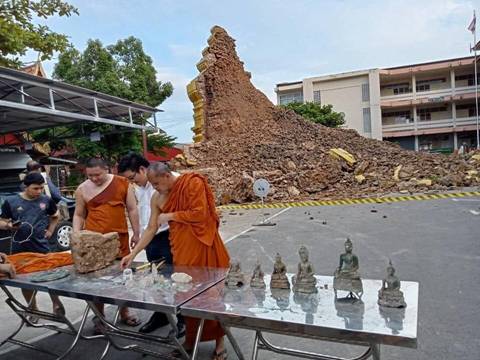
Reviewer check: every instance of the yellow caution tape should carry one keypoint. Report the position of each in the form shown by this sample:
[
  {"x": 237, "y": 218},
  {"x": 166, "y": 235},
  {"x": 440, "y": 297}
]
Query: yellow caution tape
[{"x": 376, "y": 200}]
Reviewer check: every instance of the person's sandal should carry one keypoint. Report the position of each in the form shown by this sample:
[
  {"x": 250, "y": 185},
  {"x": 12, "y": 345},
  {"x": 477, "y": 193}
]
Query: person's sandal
[{"x": 222, "y": 355}]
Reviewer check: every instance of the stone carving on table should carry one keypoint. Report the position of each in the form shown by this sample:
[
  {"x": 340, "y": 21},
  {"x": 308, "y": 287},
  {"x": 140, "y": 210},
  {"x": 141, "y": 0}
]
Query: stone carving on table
[
  {"x": 235, "y": 277},
  {"x": 390, "y": 294},
  {"x": 279, "y": 279},
  {"x": 257, "y": 280},
  {"x": 347, "y": 276},
  {"x": 93, "y": 251},
  {"x": 304, "y": 281},
  {"x": 49, "y": 275}
]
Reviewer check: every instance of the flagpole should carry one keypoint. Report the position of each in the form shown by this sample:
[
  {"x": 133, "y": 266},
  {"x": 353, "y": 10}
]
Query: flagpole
[{"x": 476, "y": 78}]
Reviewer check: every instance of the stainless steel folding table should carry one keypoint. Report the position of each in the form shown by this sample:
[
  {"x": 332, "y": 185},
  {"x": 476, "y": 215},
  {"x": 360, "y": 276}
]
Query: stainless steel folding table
[
  {"x": 319, "y": 316},
  {"x": 106, "y": 286}
]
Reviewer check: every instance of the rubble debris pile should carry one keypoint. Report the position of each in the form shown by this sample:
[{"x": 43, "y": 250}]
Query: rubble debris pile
[
  {"x": 93, "y": 251},
  {"x": 241, "y": 136}
]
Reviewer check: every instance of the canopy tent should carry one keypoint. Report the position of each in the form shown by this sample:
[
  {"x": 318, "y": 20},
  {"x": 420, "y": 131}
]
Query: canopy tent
[{"x": 29, "y": 102}]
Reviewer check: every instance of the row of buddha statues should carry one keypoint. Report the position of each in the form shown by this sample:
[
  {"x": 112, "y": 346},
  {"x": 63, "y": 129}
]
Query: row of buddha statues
[{"x": 346, "y": 278}]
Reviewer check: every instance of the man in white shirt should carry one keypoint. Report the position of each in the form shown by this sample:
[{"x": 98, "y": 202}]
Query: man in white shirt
[{"x": 134, "y": 168}]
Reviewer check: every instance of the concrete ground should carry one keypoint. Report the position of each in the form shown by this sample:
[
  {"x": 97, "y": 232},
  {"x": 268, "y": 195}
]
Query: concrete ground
[{"x": 433, "y": 242}]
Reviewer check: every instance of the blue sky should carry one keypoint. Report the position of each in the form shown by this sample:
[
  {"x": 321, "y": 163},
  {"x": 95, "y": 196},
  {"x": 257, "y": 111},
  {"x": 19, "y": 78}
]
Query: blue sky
[{"x": 277, "y": 40}]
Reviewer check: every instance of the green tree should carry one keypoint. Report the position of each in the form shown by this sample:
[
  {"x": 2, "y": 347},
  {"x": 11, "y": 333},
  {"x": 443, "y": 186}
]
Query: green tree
[
  {"x": 158, "y": 141},
  {"x": 122, "y": 70},
  {"x": 318, "y": 114},
  {"x": 18, "y": 33}
]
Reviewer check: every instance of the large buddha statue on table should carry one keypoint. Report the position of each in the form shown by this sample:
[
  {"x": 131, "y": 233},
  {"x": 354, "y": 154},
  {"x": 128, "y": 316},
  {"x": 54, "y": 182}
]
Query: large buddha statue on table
[
  {"x": 390, "y": 294},
  {"x": 347, "y": 276},
  {"x": 304, "y": 281},
  {"x": 279, "y": 279}
]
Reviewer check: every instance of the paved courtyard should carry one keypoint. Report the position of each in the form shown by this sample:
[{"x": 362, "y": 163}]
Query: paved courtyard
[{"x": 434, "y": 242}]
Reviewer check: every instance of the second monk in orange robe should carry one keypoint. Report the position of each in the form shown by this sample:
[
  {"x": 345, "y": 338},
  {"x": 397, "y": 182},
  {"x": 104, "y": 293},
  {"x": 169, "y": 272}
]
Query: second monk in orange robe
[{"x": 186, "y": 202}]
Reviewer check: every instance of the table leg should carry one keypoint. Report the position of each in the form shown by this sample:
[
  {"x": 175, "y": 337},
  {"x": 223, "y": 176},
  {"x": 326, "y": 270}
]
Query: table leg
[
  {"x": 375, "y": 351},
  {"x": 197, "y": 339},
  {"x": 78, "y": 335},
  {"x": 234, "y": 343},
  {"x": 22, "y": 324},
  {"x": 24, "y": 312},
  {"x": 173, "y": 336},
  {"x": 255, "y": 346},
  {"x": 115, "y": 319}
]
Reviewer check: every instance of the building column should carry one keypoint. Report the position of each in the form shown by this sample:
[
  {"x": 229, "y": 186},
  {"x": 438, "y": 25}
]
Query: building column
[
  {"x": 455, "y": 141},
  {"x": 415, "y": 121},
  {"x": 414, "y": 86},
  {"x": 454, "y": 114},
  {"x": 415, "y": 126},
  {"x": 307, "y": 90},
  {"x": 452, "y": 80}
]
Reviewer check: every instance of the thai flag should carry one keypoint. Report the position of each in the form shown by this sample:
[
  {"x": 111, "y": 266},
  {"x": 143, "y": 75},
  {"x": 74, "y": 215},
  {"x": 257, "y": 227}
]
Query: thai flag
[{"x": 472, "y": 25}]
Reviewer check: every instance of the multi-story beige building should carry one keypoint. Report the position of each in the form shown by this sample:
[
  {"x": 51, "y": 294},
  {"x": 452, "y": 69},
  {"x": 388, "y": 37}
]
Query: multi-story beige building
[{"x": 427, "y": 106}]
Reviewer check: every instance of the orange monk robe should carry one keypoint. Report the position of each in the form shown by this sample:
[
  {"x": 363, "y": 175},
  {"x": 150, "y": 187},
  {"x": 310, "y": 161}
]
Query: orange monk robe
[
  {"x": 28, "y": 262},
  {"x": 106, "y": 212},
  {"x": 194, "y": 237}
]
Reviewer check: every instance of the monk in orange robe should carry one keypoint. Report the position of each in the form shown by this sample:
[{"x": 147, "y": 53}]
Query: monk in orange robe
[
  {"x": 101, "y": 201},
  {"x": 186, "y": 202}
]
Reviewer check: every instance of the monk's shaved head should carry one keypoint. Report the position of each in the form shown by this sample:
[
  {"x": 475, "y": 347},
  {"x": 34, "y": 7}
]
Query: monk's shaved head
[
  {"x": 159, "y": 168},
  {"x": 96, "y": 162},
  {"x": 96, "y": 170},
  {"x": 161, "y": 177}
]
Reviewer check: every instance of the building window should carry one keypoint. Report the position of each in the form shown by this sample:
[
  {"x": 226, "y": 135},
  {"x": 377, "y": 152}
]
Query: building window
[
  {"x": 367, "y": 122},
  {"x": 469, "y": 107},
  {"x": 400, "y": 88},
  {"x": 365, "y": 92},
  {"x": 470, "y": 78},
  {"x": 291, "y": 97},
  {"x": 400, "y": 117},
  {"x": 424, "y": 85},
  {"x": 317, "y": 98},
  {"x": 426, "y": 114}
]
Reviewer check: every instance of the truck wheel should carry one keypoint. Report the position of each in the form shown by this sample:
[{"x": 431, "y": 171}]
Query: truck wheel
[{"x": 62, "y": 235}]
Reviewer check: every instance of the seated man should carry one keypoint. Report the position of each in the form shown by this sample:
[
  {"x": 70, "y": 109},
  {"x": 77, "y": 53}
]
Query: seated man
[{"x": 33, "y": 217}]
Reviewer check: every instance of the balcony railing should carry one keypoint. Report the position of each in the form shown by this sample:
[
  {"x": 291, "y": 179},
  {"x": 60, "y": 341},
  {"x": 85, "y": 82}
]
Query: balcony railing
[
  {"x": 435, "y": 123},
  {"x": 431, "y": 124},
  {"x": 431, "y": 93},
  {"x": 398, "y": 127},
  {"x": 466, "y": 121}
]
